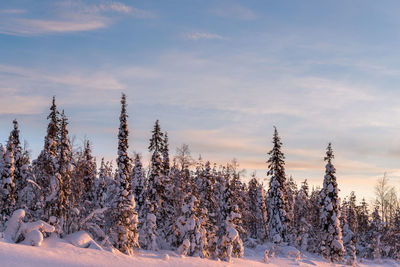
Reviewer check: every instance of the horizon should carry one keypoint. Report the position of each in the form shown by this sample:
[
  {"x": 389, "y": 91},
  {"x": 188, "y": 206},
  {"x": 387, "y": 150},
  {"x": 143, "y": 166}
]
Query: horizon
[{"x": 218, "y": 76}]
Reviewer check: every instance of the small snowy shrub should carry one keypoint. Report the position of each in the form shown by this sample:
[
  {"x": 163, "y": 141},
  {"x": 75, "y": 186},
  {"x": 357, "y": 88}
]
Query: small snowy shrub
[{"x": 30, "y": 233}]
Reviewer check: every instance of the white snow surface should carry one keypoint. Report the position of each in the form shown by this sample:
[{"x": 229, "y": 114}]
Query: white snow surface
[{"x": 61, "y": 253}]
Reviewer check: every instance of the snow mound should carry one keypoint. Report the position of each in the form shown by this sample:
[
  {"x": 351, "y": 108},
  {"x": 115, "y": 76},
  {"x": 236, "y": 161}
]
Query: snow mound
[
  {"x": 29, "y": 233},
  {"x": 82, "y": 239}
]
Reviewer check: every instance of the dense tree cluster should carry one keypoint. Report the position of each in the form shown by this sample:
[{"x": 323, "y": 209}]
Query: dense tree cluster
[{"x": 199, "y": 209}]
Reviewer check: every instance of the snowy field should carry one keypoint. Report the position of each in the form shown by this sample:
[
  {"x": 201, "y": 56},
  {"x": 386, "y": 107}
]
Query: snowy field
[{"x": 57, "y": 252}]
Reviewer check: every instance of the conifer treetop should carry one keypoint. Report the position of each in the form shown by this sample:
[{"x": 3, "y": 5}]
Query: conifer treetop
[
  {"x": 123, "y": 160},
  {"x": 52, "y": 128},
  {"x": 277, "y": 158},
  {"x": 156, "y": 141}
]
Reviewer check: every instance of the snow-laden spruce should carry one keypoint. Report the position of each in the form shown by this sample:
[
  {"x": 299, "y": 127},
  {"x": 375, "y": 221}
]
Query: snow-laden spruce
[
  {"x": 208, "y": 202},
  {"x": 277, "y": 196},
  {"x": 7, "y": 182},
  {"x": 139, "y": 188},
  {"x": 231, "y": 244},
  {"x": 124, "y": 231},
  {"x": 190, "y": 229},
  {"x": 148, "y": 232},
  {"x": 257, "y": 224},
  {"x": 46, "y": 167},
  {"x": 331, "y": 232},
  {"x": 302, "y": 217}
]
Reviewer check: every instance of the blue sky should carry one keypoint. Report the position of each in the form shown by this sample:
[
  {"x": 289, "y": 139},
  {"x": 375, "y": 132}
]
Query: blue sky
[{"x": 218, "y": 74}]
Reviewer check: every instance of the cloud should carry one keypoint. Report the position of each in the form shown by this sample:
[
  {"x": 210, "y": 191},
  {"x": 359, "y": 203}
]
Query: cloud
[
  {"x": 234, "y": 11},
  {"x": 17, "y": 103},
  {"x": 95, "y": 80},
  {"x": 202, "y": 36},
  {"x": 70, "y": 16},
  {"x": 12, "y": 11},
  {"x": 27, "y": 27},
  {"x": 107, "y": 6},
  {"x": 142, "y": 14}
]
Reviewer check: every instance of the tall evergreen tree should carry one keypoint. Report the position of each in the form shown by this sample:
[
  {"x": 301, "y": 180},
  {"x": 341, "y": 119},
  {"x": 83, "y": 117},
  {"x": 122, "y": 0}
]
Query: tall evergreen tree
[
  {"x": 21, "y": 163},
  {"x": 101, "y": 186},
  {"x": 63, "y": 196},
  {"x": 363, "y": 228},
  {"x": 315, "y": 210},
  {"x": 302, "y": 217},
  {"x": 257, "y": 227},
  {"x": 46, "y": 167},
  {"x": 331, "y": 237},
  {"x": 375, "y": 236},
  {"x": 156, "y": 141},
  {"x": 125, "y": 219},
  {"x": 7, "y": 183},
  {"x": 158, "y": 184},
  {"x": 349, "y": 225},
  {"x": 165, "y": 154},
  {"x": 208, "y": 202},
  {"x": 139, "y": 188},
  {"x": 92, "y": 203},
  {"x": 89, "y": 176},
  {"x": 277, "y": 198}
]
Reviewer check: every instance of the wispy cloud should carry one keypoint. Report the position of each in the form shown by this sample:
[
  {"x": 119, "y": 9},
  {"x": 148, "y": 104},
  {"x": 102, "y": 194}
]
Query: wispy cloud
[
  {"x": 95, "y": 80},
  {"x": 12, "y": 11},
  {"x": 17, "y": 103},
  {"x": 26, "y": 27},
  {"x": 71, "y": 16},
  {"x": 142, "y": 14},
  {"x": 202, "y": 36},
  {"x": 107, "y": 6},
  {"x": 234, "y": 11}
]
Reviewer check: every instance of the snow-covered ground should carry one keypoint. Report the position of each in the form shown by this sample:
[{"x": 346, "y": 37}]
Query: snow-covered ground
[{"x": 57, "y": 252}]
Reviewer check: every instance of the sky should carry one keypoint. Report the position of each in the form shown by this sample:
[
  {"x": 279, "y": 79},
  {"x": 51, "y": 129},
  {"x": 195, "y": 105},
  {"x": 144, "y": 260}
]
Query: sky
[{"x": 218, "y": 75}]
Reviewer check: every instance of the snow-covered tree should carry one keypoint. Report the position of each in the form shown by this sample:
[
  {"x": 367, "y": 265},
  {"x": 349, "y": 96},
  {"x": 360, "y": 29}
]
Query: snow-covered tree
[
  {"x": 220, "y": 192},
  {"x": 31, "y": 198},
  {"x": 124, "y": 231},
  {"x": 374, "y": 236},
  {"x": 46, "y": 167},
  {"x": 331, "y": 236},
  {"x": 231, "y": 243},
  {"x": 139, "y": 187},
  {"x": 63, "y": 196},
  {"x": 257, "y": 225},
  {"x": 7, "y": 183},
  {"x": 165, "y": 154},
  {"x": 148, "y": 232},
  {"x": 100, "y": 184},
  {"x": 302, "y": 217},
  {"x": 392, "y": 246},
  {"x": 22, "y": 166},
  {"x": 89, "y": 176},
  {"x": 349, "y": 244},
  {"x": 349, "y": 229},
  {"x": 92, "y": 206},
  {"x": 277, "y": 197},
  {"x": 314, "y": 241},
  {"x": 236, "y": 193},
  {"x": 207, "y": 201},
  {"x": 156, "y": 141},
  {"x": 291, "y": 195},
  {"x": 363, "y": 228},
  {"x": 158, "y": 183},
  {"x": 190, "y": 229}
]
